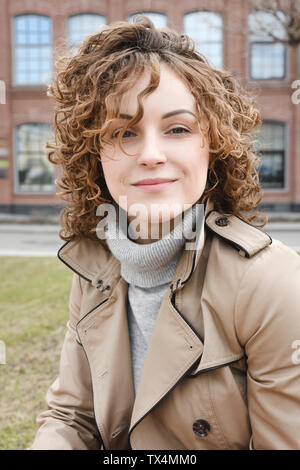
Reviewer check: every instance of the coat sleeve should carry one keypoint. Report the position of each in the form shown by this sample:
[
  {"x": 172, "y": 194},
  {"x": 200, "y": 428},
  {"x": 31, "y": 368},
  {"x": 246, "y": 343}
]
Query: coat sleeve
[
  {"x": 69, "y": 423},
  {"x": 268, "y": 325}
]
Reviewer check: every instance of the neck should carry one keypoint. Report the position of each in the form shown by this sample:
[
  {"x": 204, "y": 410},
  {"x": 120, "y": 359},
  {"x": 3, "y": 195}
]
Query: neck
[
  {"x": 144, "y": 232},
  {"x": 148, "y": 264}
]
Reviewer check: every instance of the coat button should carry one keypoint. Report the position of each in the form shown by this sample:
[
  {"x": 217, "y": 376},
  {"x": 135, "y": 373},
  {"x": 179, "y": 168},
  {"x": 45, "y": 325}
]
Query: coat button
[
  {"x": 201, "y": 427},
  {"x": 222, "y": 221}
]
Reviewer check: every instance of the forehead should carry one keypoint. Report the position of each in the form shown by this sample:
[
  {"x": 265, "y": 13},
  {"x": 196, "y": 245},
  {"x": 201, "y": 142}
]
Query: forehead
[{"x": 172, "y": 90}]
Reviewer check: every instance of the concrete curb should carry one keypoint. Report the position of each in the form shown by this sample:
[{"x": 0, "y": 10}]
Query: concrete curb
[
  {"x": 26, "y": 219},
  {"x": 29, "y": 228},
  {"x": 38, "y": 254}
]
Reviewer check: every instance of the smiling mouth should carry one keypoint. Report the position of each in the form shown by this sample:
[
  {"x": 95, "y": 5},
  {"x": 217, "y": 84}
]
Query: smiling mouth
[
  {"x": 154, "y": 181},
  {"x": 155, "y": 186}
]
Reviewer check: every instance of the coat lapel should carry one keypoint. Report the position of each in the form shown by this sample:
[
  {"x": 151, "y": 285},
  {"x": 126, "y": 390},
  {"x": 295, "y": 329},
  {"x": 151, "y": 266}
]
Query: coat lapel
[
  {"x": 104, "y": 336},
  {"x": 174, "y": 349}
]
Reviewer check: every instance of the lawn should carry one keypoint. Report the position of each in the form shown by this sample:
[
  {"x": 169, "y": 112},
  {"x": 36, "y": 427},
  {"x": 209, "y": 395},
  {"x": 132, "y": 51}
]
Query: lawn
[{"x": 34, "y": 297}]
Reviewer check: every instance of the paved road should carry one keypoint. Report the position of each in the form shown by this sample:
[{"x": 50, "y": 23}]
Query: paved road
[
  {"x": 43, "y": 240},
  {"x": 29, "y": 240}
]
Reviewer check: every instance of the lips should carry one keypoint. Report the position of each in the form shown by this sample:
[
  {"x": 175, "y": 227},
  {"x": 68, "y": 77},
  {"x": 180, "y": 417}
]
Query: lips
[{"x": 152, "y": 181}]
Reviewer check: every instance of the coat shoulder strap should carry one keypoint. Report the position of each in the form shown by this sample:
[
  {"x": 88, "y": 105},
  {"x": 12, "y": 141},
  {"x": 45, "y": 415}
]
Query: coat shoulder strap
[{"x": 245, "y": 238}]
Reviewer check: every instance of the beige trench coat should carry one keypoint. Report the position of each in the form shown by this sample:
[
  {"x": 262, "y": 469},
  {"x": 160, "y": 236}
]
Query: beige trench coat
[{"x": 222, "y": 369}]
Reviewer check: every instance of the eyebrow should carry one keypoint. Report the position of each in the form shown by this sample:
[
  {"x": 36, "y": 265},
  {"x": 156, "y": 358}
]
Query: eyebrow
[{"x": 164, "y": 116}]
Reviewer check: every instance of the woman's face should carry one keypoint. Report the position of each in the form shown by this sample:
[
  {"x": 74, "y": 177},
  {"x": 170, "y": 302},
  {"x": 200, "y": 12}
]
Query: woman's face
[{"x": 168, "y": 145}]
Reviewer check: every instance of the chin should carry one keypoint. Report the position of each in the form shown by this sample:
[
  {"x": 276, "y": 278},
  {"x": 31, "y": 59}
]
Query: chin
[{"x": 155, "y": 212}]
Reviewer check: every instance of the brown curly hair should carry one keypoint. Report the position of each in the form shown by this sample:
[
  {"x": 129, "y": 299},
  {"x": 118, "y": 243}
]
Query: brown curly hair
[{"x": 87, "y": 91}]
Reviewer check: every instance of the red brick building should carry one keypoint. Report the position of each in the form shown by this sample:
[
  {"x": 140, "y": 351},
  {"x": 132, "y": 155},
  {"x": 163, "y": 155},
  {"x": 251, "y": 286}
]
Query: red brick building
[{"x": 32, "y": 31}]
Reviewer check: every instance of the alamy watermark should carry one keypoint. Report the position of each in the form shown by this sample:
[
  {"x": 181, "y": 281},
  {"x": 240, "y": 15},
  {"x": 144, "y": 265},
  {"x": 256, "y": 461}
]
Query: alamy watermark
[
  {"x": 296, "y": 94},
  {"x": 296, "y": 354},
  {"x": 158, "y": 218},
  {"x": 2, "y": 352},
  {"x": 2, "y": 92}
]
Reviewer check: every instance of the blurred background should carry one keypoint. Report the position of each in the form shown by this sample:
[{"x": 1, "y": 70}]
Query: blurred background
[
  {"x": 258, "y": 45},
  {"x": 257, "y": 40}
]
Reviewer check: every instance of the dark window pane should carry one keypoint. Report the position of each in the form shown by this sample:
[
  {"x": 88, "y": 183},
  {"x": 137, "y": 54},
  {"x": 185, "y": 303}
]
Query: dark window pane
[
  {"x": 271, "y": 148},
  {"x": 271, "y": 171}
]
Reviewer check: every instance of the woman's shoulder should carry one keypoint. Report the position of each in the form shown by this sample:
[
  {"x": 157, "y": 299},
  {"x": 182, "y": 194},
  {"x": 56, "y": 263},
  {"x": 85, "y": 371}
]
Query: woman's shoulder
[
  {"x": 267, "y": 296},
  {"x": 85, "y": 256},
  {"x": 276, "y": 267},
  {"x": 238, "y": 239},
  {"x": 257, "y": 274}
]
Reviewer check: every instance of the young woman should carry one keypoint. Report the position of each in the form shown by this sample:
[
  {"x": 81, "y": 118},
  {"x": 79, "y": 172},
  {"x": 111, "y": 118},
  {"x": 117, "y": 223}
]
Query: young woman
[{"x": 184, "y": 321}]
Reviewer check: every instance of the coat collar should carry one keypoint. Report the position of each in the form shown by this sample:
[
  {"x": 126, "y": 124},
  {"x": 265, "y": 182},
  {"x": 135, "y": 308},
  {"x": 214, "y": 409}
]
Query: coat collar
[{"x": 95, "y": 263}]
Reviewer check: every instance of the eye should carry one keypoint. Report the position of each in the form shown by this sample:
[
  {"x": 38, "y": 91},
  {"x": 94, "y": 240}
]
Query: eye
[
  {"x": 180, "y": 129},
  {"x": 115, "y": 134}
]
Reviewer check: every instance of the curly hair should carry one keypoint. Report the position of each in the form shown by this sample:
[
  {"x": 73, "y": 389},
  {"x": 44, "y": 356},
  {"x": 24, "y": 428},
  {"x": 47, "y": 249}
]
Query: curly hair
[{"x": 87, "y": 90}]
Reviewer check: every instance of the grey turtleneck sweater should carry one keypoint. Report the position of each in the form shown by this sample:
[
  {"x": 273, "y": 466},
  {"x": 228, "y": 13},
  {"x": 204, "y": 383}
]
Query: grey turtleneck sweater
[{"x": 148, "y": 269}]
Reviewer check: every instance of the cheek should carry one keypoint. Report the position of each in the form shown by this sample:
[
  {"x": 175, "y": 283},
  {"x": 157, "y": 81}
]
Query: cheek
[
  {"x": 197, "y": 170},
  {"x": 197, "y": 166},
  {"x": 112, "y": 170}
]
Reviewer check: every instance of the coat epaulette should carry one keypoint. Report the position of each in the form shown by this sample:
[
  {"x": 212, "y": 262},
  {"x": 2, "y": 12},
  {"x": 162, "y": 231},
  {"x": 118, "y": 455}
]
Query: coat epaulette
[{"x": 245, "y": 238}]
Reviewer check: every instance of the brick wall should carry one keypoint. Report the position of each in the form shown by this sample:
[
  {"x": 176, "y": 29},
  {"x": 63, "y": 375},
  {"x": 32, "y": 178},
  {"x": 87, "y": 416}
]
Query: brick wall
[{"x": 30, "y": 103}]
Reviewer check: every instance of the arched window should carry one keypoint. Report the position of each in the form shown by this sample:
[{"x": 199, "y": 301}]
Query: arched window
[
  {"x": 80, "y": 26},
  {"x": 206, "y": 28},
  {"x": 159, "y": 20},
  {"x": 32, "y": 60},
  {"x": 34, "y": 173},
  {"x": 272, "y": 151},
  {"x": 267, "y": 57}
]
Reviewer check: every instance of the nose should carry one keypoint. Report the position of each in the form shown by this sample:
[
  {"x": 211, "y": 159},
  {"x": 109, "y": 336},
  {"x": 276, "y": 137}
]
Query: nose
[{"x": 150, "y": 154}]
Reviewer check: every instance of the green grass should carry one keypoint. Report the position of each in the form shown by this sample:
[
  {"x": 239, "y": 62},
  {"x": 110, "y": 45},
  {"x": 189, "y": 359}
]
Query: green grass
[{"x": 34, "y": 295}]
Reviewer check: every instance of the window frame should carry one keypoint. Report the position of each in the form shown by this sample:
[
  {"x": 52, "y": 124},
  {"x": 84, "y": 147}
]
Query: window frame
[
  {"x": 222, "y": 16},
  {"x": 250, "y": 43},
  {"x": 285, "y": 152},
  {"x": 14, "y": 45},
  {"x": 285, "y": 62},
  {"x": 79, "y": 14},
  {"x": 17, "y": 189}
]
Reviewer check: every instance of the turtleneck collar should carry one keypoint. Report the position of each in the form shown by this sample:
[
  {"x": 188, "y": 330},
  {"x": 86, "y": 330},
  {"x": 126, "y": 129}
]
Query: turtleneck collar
[{"x": 152, "y": 264}]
